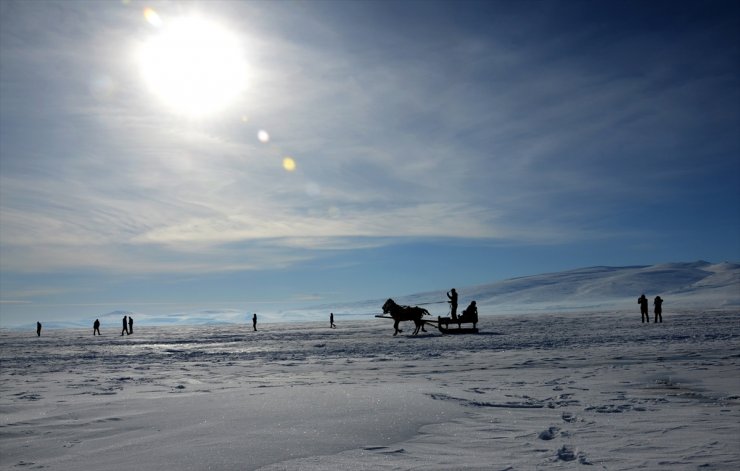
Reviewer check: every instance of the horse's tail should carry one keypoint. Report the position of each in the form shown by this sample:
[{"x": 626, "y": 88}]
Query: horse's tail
[{"x": 424, "y": 312}]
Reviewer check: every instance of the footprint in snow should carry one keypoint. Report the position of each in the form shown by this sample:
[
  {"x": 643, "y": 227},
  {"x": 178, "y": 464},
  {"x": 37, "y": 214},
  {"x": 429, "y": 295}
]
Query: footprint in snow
[
  {"x": 549, "y": 434},
  {"x": 568, "y": 417},
  {"x": 568, "y": 453}
]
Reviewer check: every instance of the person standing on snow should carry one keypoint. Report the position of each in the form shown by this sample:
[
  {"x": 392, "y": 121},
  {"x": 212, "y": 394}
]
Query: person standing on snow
[
  {"x": 452, "y": 295},
  {"x": 658, "y": 303},
  {"x": 643, "y": 302}
]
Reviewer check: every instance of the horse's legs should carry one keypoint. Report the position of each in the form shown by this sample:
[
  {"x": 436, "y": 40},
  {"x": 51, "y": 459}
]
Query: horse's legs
[
  {"x": 420, "y": 326},
  {"x": 395, "y": 326}
]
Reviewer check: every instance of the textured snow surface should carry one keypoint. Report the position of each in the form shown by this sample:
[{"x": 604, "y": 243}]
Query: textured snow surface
[{"x": 538, "y": 391}]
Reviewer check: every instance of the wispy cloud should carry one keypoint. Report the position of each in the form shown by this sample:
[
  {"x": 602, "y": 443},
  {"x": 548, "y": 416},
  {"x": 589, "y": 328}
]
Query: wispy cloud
[
  {"x": 512, "y": 124},
  {"x": 478, "y": 141}
]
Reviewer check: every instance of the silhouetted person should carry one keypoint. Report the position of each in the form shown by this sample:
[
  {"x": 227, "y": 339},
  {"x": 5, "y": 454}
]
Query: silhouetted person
[
  {"x": 658, "y": 303},
  {"x": 96, "y": 327},
  {"x": 254, "y": 322},
  {"x": 470, "y": 314},
  {"x": 130, "y": 325},
  {"x": 38, "y": 328},
  {"x": 331, "y": 321},
  {"x": 470, "y": 311},
  {"x": 643, "y": 302},
  {"x": 453, "y": 303},
  {"x": 125, "y": 326}
]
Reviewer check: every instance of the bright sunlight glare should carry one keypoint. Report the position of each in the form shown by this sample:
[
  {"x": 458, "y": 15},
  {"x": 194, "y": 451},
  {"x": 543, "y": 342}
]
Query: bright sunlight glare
[{"x": 194, "y": 66}]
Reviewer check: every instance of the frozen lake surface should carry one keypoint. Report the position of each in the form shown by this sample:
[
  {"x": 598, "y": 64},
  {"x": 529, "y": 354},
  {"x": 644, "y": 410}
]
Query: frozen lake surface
[{"x": 529, "y": 392}]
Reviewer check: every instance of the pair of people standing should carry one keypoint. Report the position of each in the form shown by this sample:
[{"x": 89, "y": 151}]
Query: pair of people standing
[
  {"x": 128, "y": 326},
  {"x": 658, "y": 309}
]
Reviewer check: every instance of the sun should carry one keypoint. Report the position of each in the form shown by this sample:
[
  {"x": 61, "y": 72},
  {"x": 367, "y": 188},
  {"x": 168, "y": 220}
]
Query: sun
[{"x": 193, "y": 65}]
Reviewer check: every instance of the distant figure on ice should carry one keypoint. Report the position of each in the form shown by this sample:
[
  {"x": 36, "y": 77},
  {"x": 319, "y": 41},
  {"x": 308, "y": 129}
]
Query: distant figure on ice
[
  {"x": 658, "y": 303},
  {"x": 130, "y": 325},
  {"x": 331, "y": 321},
  {"x": 453, "y": 303},
  {"x": 38, "y": 328},
  {"x": 643, "y": 302},
  {"x": 96, "y": 327},
  {"x": 254, "y": 322},
  {"x": 125, "y": 326}
]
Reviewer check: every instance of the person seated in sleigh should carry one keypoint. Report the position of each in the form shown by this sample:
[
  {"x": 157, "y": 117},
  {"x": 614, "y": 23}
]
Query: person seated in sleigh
[{"x": 469, "y": 314}]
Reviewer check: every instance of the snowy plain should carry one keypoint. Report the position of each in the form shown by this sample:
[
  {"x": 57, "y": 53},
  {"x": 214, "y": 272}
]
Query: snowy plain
[{"x": 592, "y": 390}]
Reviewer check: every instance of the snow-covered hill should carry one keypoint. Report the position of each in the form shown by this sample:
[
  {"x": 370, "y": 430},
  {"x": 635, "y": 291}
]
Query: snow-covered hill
[
  {"x": 696, "y": 285},
  {"x": 681, "y": 285}
]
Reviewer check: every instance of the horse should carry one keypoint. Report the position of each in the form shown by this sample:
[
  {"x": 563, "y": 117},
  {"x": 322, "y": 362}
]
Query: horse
[{"x": 405, "y": 313}]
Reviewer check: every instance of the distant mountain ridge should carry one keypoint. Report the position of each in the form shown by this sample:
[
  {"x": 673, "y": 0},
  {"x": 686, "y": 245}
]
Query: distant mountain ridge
[
  {"x": 683, "y": 286},
  {"x": 690, "y": 285}
]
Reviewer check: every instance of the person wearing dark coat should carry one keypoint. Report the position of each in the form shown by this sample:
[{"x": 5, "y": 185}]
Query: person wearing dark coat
[
  {"x": 96, "y": 327},
  {"x": 38, "y": 328},
  {"x": 331, "y": 321},
  {"x": 130, "y": 325},
  {"x": 452, "y": 295},
  {"x": 125, "y": 326},
  {"x": 254, "y": 322},
  {"x": 643, "y": 302},
  {"x": 658, "y": 303},
  {"x": 470, "y": 313}
]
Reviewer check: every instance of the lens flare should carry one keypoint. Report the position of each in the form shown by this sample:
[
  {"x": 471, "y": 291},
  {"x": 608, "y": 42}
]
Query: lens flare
[
  {"x": 289, "y": 164},
  {"x": 263, "y": 136},
  {"x": 152, "y": 17},
  {"x": 102, "y": 87}
]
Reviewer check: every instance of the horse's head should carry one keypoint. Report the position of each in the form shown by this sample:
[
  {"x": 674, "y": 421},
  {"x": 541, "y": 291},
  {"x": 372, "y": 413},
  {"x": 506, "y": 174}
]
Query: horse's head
[{"x": 387, "y": 306}]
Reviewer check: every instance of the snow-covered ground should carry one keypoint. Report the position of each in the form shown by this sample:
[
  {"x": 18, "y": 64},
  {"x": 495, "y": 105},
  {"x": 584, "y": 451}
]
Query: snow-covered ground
[{"x": 528, "y": 392}]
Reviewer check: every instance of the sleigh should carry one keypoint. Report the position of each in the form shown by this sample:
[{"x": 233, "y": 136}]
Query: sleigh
[
  {"x": 415, "y": 313},
  {"x": 443, "y": 324}
]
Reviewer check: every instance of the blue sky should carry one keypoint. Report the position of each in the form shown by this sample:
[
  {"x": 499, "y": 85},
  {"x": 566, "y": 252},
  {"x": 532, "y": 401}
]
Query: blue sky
[{"x": 436, "y": 145}]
